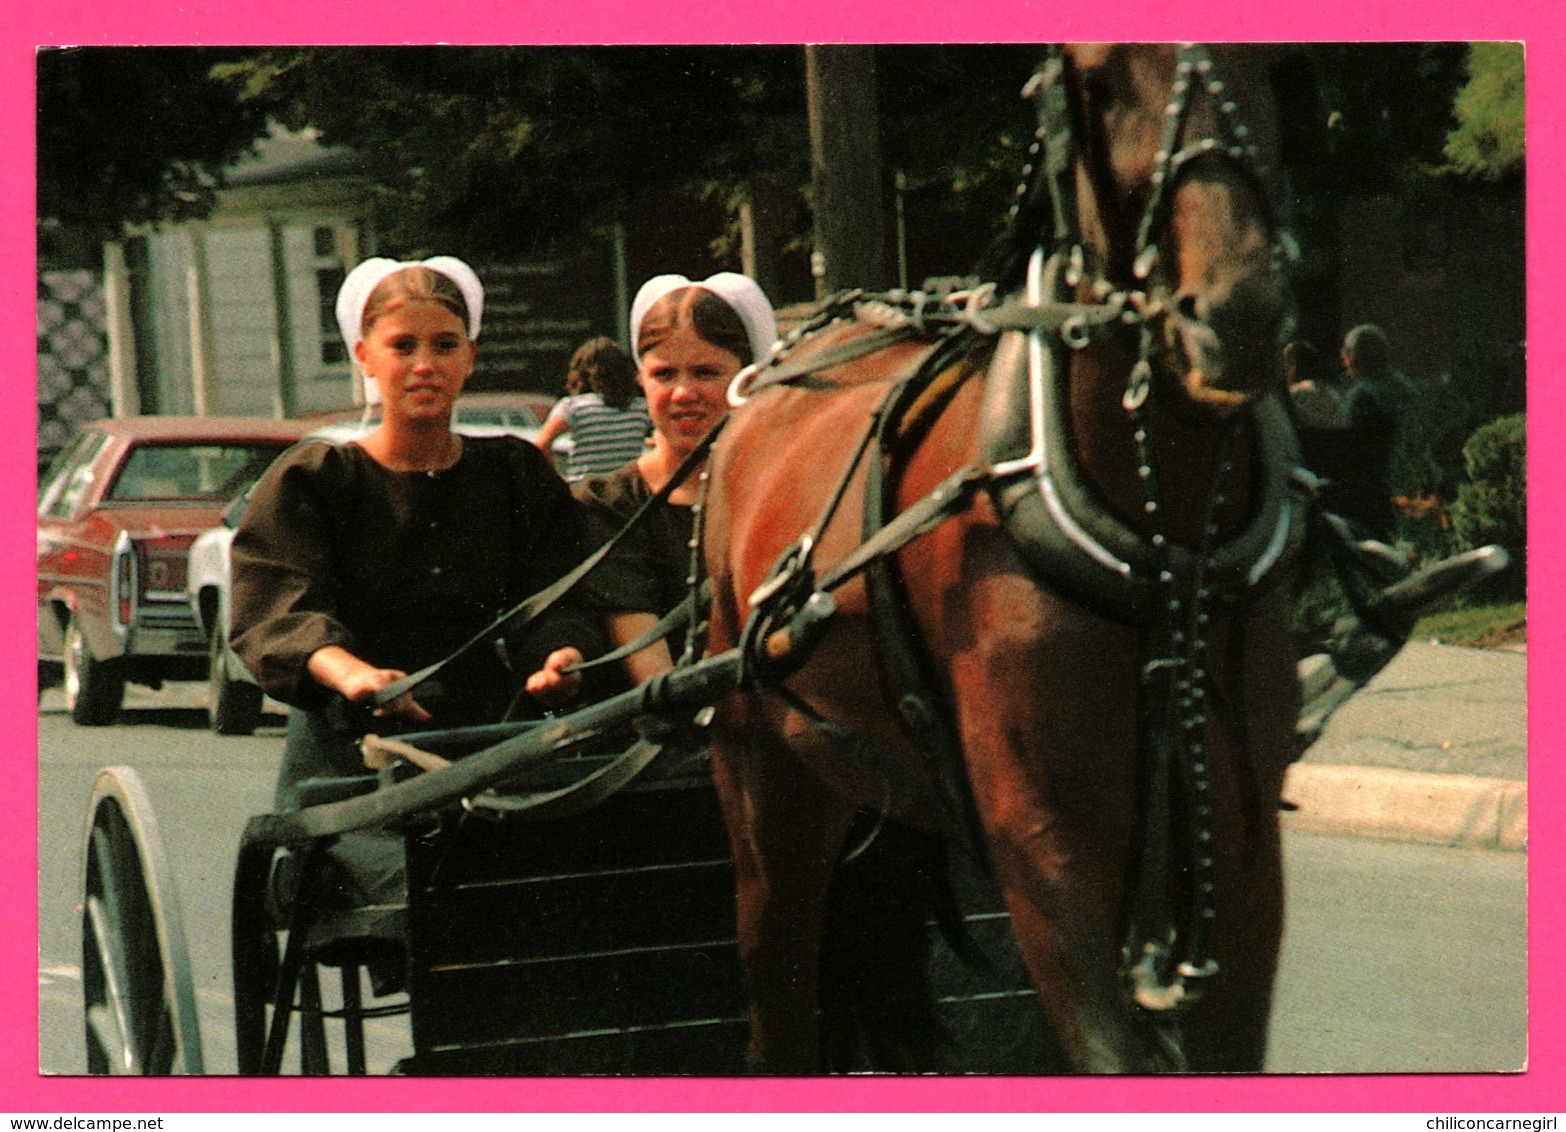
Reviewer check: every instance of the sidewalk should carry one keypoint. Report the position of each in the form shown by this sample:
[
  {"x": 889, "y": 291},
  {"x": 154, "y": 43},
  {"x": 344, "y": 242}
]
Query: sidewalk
[{"x": 1434, "y": 750}]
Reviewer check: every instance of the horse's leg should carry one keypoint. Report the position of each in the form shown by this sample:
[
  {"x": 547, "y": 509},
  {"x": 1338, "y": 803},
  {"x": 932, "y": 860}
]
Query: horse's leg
[
  {"x": 786, "y": 831},
  {"x": 1044, "y": 696},
  {"x": 1226, "y": 1032}
]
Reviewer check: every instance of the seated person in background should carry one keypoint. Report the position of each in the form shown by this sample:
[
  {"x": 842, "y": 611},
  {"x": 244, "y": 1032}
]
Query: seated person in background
[
  {"x": 603, "y": 410},
  {"x": 1313, "y": 396},
  {"x": 1373, "y": 408},
  {"x": 1316, "y": 405}
]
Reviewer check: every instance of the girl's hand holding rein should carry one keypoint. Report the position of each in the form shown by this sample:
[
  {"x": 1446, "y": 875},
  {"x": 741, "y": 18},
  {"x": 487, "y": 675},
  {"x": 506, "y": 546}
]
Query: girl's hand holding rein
[{"x": 357, "y": 681}]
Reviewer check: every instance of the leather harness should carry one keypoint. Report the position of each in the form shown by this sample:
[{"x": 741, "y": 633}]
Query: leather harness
[
  {"x": 1067, "y": 537},
  {"x": 1071, "y": 542}
]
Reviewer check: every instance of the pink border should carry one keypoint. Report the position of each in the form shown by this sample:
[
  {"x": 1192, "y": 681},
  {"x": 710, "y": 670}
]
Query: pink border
[{"x": 66, "y": 22}]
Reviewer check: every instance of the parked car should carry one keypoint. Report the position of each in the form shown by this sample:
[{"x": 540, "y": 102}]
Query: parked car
[
  {"x": 234, "y": 698},
  {"x": 509, "y": 410},
  {"x": 478, "y": 414},
  {"x": 117, "y": 513}
]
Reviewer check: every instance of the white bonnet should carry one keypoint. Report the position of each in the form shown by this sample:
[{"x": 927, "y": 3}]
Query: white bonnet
[
  {"x": 740, "y": 292},
  {"x": 363, "y": 280}
]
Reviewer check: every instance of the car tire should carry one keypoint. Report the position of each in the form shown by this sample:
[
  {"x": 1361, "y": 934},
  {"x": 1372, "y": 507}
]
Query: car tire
[
  {"x": 233, "y": 706},
  {"x": 49, "y": 676},
  {"x": 94, "y": 689}
]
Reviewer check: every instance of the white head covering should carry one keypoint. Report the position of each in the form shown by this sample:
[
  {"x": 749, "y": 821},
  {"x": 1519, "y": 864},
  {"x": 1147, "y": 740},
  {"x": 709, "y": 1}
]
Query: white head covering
[
  {"x": 740, "y": 292},
  {"x": 363, "y": 280}
]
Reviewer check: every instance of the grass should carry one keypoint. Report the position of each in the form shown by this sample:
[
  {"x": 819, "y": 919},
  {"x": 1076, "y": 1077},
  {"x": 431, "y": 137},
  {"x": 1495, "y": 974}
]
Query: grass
[{"x": 1485, "y": 626}]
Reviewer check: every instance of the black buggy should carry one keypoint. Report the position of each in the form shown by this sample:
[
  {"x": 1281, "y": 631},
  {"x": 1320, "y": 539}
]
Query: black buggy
[{"x": 569, "y": 910}]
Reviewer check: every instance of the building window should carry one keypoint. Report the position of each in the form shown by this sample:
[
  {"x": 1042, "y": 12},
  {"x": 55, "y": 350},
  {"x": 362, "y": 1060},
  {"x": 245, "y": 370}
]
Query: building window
[{"x": 329, "y": 274}]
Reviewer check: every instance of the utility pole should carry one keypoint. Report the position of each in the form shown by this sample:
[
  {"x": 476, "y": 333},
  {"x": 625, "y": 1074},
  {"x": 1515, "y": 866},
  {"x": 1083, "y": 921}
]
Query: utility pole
[{"x": 845, "y": 168}]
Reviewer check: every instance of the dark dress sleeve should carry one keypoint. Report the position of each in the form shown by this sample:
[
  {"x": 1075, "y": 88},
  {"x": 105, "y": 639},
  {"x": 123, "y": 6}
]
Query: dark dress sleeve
[{"x": 285, "y": 593}]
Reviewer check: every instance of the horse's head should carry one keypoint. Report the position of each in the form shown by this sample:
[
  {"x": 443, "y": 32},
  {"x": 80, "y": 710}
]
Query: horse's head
[{"x": 1175, "y": 149}]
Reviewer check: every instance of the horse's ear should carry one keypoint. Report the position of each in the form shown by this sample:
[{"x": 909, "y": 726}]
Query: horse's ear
[{"x": 1089, "y": 57}]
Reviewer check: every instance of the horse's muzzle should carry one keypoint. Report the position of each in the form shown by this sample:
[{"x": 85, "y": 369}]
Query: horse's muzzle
[{"x": 1227, "y": 341}]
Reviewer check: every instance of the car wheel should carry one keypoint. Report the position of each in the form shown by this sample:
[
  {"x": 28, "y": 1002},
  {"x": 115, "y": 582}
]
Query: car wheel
[
  {"x": 233, "y": 706},
  {"x": 94, "y": 689},
  {"x": 49, "y": 675}
]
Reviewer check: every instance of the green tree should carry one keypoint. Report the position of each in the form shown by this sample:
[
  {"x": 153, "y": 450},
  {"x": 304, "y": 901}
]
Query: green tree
[
  {"x": 1389, "y": 109},
  {"x": 1488, "y": 139},
  {"x": 503, "y": 149},
  {"x": 134, "y": 135},
  {"x": 1492, "y": 507}
]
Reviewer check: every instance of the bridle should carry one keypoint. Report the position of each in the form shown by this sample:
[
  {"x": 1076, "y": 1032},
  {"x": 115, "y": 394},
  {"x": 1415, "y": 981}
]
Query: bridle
[
  {"x": 1071, "y": 542},
  {"x": 1047, "y": 198},
  {"x": 1141, "y": 576}
]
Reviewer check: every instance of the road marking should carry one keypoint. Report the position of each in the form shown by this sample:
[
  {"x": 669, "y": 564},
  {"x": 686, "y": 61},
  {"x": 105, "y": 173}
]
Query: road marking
[{"x": 49, "y": 973}]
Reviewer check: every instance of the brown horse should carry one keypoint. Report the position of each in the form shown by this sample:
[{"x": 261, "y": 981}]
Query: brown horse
[{"x": 1104, "y": 616}]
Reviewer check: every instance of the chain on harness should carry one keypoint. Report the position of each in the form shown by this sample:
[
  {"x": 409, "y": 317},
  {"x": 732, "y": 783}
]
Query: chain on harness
[{"x": 1172, "y": 882}]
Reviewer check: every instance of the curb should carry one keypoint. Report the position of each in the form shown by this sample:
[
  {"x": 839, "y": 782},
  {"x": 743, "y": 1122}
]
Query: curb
[{"x": 1454, "y": 810}]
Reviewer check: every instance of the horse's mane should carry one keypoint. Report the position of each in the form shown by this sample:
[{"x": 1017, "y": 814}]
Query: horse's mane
[{"x": 1032, "y": 216}]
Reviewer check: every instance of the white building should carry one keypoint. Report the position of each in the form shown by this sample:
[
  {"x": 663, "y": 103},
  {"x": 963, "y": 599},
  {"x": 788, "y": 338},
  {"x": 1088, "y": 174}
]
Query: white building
[{"x": 232, "y": 315}]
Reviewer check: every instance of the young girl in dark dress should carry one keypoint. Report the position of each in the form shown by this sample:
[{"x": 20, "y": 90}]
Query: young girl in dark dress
[
  {"x": 357, "y": 563},
  {"x": 690, "y": 339}
]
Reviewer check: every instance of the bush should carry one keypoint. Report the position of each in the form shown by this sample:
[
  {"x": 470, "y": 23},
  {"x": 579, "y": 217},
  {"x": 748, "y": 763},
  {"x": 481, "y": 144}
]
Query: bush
[
  {"x": 1428, "y": 465},
  {"x": 1492, "y": 507}
]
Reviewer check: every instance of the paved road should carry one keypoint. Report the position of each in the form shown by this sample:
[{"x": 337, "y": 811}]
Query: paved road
[
  {"x": 203, "y": 788},
  {"x": 1401, "y": 958},
  {"x": 1398, "y": 957}
]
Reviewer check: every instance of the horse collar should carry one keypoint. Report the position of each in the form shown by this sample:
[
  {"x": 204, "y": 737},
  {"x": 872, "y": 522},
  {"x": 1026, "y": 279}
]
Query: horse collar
[{"x": 1066, "y": 534}]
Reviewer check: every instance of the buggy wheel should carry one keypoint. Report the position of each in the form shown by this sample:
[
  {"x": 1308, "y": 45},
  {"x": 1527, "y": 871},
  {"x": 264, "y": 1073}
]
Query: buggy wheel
[
  {"x": 139, "y": 1003},
  {"x": 233, "y": 706},
  {"x": 255, "y": 958},
  {"x": 94, "y": 689}
]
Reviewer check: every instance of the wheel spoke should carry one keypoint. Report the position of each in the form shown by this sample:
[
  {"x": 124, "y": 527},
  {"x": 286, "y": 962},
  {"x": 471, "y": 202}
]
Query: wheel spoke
[
  {"x": 123, "y": 1057},
  {"x": 164, "y": 1054},
  {"x": 104, "y": 1034}
]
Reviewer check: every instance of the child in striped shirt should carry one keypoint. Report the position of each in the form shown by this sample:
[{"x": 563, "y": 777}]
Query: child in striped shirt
[{"x": 603, "y": 411}]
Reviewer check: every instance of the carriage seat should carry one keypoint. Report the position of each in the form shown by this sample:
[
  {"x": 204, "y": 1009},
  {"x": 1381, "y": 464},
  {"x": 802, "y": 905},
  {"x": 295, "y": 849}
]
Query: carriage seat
[{"x": 361, "y": 902}]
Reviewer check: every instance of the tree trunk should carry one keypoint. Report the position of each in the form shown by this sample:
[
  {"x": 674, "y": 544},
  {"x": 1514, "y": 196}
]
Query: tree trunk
[
  {"x": 845, "y": 166},
  {"x": 764, "y": 223}
]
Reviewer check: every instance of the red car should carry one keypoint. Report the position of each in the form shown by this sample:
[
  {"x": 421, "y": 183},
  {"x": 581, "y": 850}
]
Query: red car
[{"x": 116, "y": 516}]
